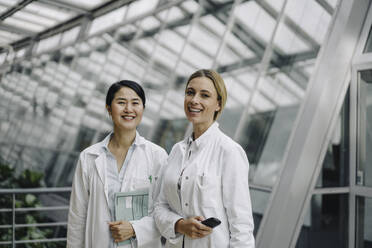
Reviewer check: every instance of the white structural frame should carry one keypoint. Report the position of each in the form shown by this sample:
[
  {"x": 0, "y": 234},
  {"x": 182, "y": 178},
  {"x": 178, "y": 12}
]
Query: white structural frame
[
  {"x": 313, "y": 128},
  {"x": 361, "y": 61}
]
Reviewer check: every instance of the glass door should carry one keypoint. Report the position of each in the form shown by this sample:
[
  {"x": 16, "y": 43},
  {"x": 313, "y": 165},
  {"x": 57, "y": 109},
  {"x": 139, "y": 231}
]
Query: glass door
[{"x": 361, "y": 183}]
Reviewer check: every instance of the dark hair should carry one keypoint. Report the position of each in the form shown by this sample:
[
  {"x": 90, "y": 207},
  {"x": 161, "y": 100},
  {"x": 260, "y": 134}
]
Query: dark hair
[{"x": 115, "y": 87}]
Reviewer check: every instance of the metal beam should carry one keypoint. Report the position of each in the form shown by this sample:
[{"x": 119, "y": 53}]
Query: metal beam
[
  {"x": 69, "y": 6},
  {"x": 247, "y": 37},
  {"x": 313, "y": 130},
  {"x": 75, "y": 21},
  {"x": 326, "y": 6},
  {"x": 14, "y": 9},
  {"x": 283, "y": 62},
  {"x": 302, "y": 34}
]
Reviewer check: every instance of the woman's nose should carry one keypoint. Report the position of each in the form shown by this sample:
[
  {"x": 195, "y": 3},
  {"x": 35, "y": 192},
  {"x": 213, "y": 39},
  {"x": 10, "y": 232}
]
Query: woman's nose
[
  {"x": 128, "y": 108},
  {"x": 195, "y": 99}
]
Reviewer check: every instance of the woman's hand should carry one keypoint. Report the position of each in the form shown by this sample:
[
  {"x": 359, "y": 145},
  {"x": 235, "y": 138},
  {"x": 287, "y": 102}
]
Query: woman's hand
[
  {"x": 192, "y": 227},
  {"x": 121, "y": 230}
]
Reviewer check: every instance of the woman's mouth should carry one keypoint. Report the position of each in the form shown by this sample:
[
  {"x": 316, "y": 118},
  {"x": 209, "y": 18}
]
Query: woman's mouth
[
  {"x": 194, "y": 110},
  {"x": 128, "y": 117}
]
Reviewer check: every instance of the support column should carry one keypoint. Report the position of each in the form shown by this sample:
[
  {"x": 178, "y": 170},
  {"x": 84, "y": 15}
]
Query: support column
[{"x": 313, "y": 128}]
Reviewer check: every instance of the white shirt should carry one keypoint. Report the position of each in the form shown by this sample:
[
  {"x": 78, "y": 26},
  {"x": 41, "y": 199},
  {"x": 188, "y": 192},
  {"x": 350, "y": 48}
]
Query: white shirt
[
  {"x": 89, "y": 204},
  {"x": 115, "y": 178},
  {"x": 212, "y": 172}
]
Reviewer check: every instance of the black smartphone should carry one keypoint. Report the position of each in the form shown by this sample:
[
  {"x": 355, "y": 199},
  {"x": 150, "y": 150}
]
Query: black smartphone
[{"x": 211, "y": 222}]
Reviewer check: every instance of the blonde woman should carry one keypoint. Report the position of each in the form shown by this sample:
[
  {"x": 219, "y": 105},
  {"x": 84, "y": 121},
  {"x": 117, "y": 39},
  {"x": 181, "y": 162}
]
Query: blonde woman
[{"x": 206, "y": 176}]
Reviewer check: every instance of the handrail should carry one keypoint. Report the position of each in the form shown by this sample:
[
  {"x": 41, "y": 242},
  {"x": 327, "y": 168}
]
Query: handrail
[
  {"x": 14, "y": 210},
  {"x": 35, "y": 190},
  {"x": 32, "y": 241}
]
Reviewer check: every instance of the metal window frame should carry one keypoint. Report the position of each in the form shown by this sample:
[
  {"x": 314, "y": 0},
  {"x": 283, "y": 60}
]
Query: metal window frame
[
  {"x": 313, "y": 127},
  {"x": 360, "y": 63}
]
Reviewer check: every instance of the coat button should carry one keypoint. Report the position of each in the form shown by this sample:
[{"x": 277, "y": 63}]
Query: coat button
[
  {"x": 187, "y": 178},
  {"x": 186, "y": 204}
]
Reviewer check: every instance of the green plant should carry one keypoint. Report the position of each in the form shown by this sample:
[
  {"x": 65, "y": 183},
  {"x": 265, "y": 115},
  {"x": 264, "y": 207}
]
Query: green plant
[{"x": 26, "y": 179}]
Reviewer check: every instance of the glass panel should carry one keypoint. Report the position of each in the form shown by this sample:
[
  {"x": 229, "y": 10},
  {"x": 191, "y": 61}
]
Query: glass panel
[
  {"x": 326, "y": 223},
  {"x": 53, "y": 107},
  {"x": 40, "y": 20},
  {"x": 364, "y": 223},
  {"x": 259, "y": 204},
  {"x": 86, "y": 3},
  {"x": 24, "y": 24},
  {"x": 274, "y": 130},
  {"x": 139, "y": 7},
  {"x": 258, "y": 22},
  {"x": 173, "y": 131},
  {"x": 335, "y": 169},
  {"x": 310, "y": 16},
  {"x": 368, "y": 47},
  {"x": 333, "y": 3},
  {"x": 105, "y": 21},
  {"x": 48, "y": 11},
  {"x": 364, "y": 168}
]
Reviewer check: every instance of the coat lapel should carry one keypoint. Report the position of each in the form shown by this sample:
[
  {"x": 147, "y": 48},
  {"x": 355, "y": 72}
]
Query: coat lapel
[{"x": 100, "y": 164}]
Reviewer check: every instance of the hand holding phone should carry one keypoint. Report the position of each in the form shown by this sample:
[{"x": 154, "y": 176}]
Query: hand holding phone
[{"x": 211, "y": 222}]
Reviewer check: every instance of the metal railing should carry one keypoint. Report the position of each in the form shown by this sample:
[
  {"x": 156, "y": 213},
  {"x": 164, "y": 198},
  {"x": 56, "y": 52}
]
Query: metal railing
[{"x": 14, "y": 210}]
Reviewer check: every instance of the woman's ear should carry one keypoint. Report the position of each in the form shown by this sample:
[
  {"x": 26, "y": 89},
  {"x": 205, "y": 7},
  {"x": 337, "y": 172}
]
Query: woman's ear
[
  {"x": 108, "y": 109},
  {"x": 219, "y": 106}
]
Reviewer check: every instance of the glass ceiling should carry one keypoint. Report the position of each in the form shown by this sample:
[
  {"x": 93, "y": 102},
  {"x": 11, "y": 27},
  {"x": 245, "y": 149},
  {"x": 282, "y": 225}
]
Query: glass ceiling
[
  {"x": 66, "y": 54},
  {"x": 182, "y": 32}
]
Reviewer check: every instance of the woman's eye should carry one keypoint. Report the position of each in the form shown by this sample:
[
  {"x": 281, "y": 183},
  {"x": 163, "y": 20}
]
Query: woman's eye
[
  {"x": 205, "y": 95},
  {"x": 189, "y": 92},
  {"x": 135, "y": 103}
]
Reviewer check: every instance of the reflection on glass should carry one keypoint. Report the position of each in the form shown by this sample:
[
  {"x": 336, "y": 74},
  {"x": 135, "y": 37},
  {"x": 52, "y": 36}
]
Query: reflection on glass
[
  {"x": 266, "y": 138},
  {"x": 368, "y": 47},
  {"x": 259, "y": 203},
  {"x": 335, "y": 168},
  {"x": 364, "y": 223},
  {"x": 54, "y": 107},
  {"x": 326, "y": 223},
  {"x": 256, "y": 134},
  {"x": 364, "y": 170},
  {"x": 170, "y": 132}
]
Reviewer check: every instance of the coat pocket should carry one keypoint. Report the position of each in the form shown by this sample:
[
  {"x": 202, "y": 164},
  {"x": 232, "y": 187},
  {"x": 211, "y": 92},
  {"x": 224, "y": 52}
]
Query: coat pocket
[
  {"x": 208, "y": 190},
  {"x": 141, "y": 183}
]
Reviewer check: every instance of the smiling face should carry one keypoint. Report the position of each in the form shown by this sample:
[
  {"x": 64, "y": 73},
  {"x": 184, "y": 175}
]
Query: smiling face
[
  {"x": 201, "y": 102},
  {"x": 126, "y": 109}
]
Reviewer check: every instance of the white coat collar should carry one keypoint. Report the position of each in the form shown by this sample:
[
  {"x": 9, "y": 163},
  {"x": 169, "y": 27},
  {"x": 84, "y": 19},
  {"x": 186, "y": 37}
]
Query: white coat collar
[
  {"x": 98, "y": 148},
  {"x": 100, "y": 162},
  {"x": 205, "y": 137}
]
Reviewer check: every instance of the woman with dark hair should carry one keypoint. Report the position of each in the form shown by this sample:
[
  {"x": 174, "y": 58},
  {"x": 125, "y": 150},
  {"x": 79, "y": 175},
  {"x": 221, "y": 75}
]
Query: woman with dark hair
[
  {"x": 124, "y": 161},
  {"x": 206, "y": 176}
]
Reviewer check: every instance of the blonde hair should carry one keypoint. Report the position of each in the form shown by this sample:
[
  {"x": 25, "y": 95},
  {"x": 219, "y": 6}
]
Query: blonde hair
[{"x": 218, "y": 83}]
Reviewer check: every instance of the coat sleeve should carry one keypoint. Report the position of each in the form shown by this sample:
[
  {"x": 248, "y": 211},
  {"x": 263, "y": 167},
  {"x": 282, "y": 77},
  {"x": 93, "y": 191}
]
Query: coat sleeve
[
  {"x": 145, "y": 228},
  {"x": 164, "y": 217},
  {"x": 236, "y": 198},
  {"x": 78, "y": 207}
]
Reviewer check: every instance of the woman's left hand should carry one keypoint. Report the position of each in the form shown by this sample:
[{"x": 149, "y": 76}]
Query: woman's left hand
[{"x": 121, "y": 230}]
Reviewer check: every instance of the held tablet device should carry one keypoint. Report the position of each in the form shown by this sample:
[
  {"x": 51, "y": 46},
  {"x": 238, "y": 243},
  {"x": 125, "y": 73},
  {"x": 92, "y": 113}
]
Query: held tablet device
[{"x": 211, "y": 222}]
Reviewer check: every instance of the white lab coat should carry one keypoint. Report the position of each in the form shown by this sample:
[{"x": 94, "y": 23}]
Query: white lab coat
[
  {"x": 214, "y": 184},
  {"x": 89, "y": 211}
]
